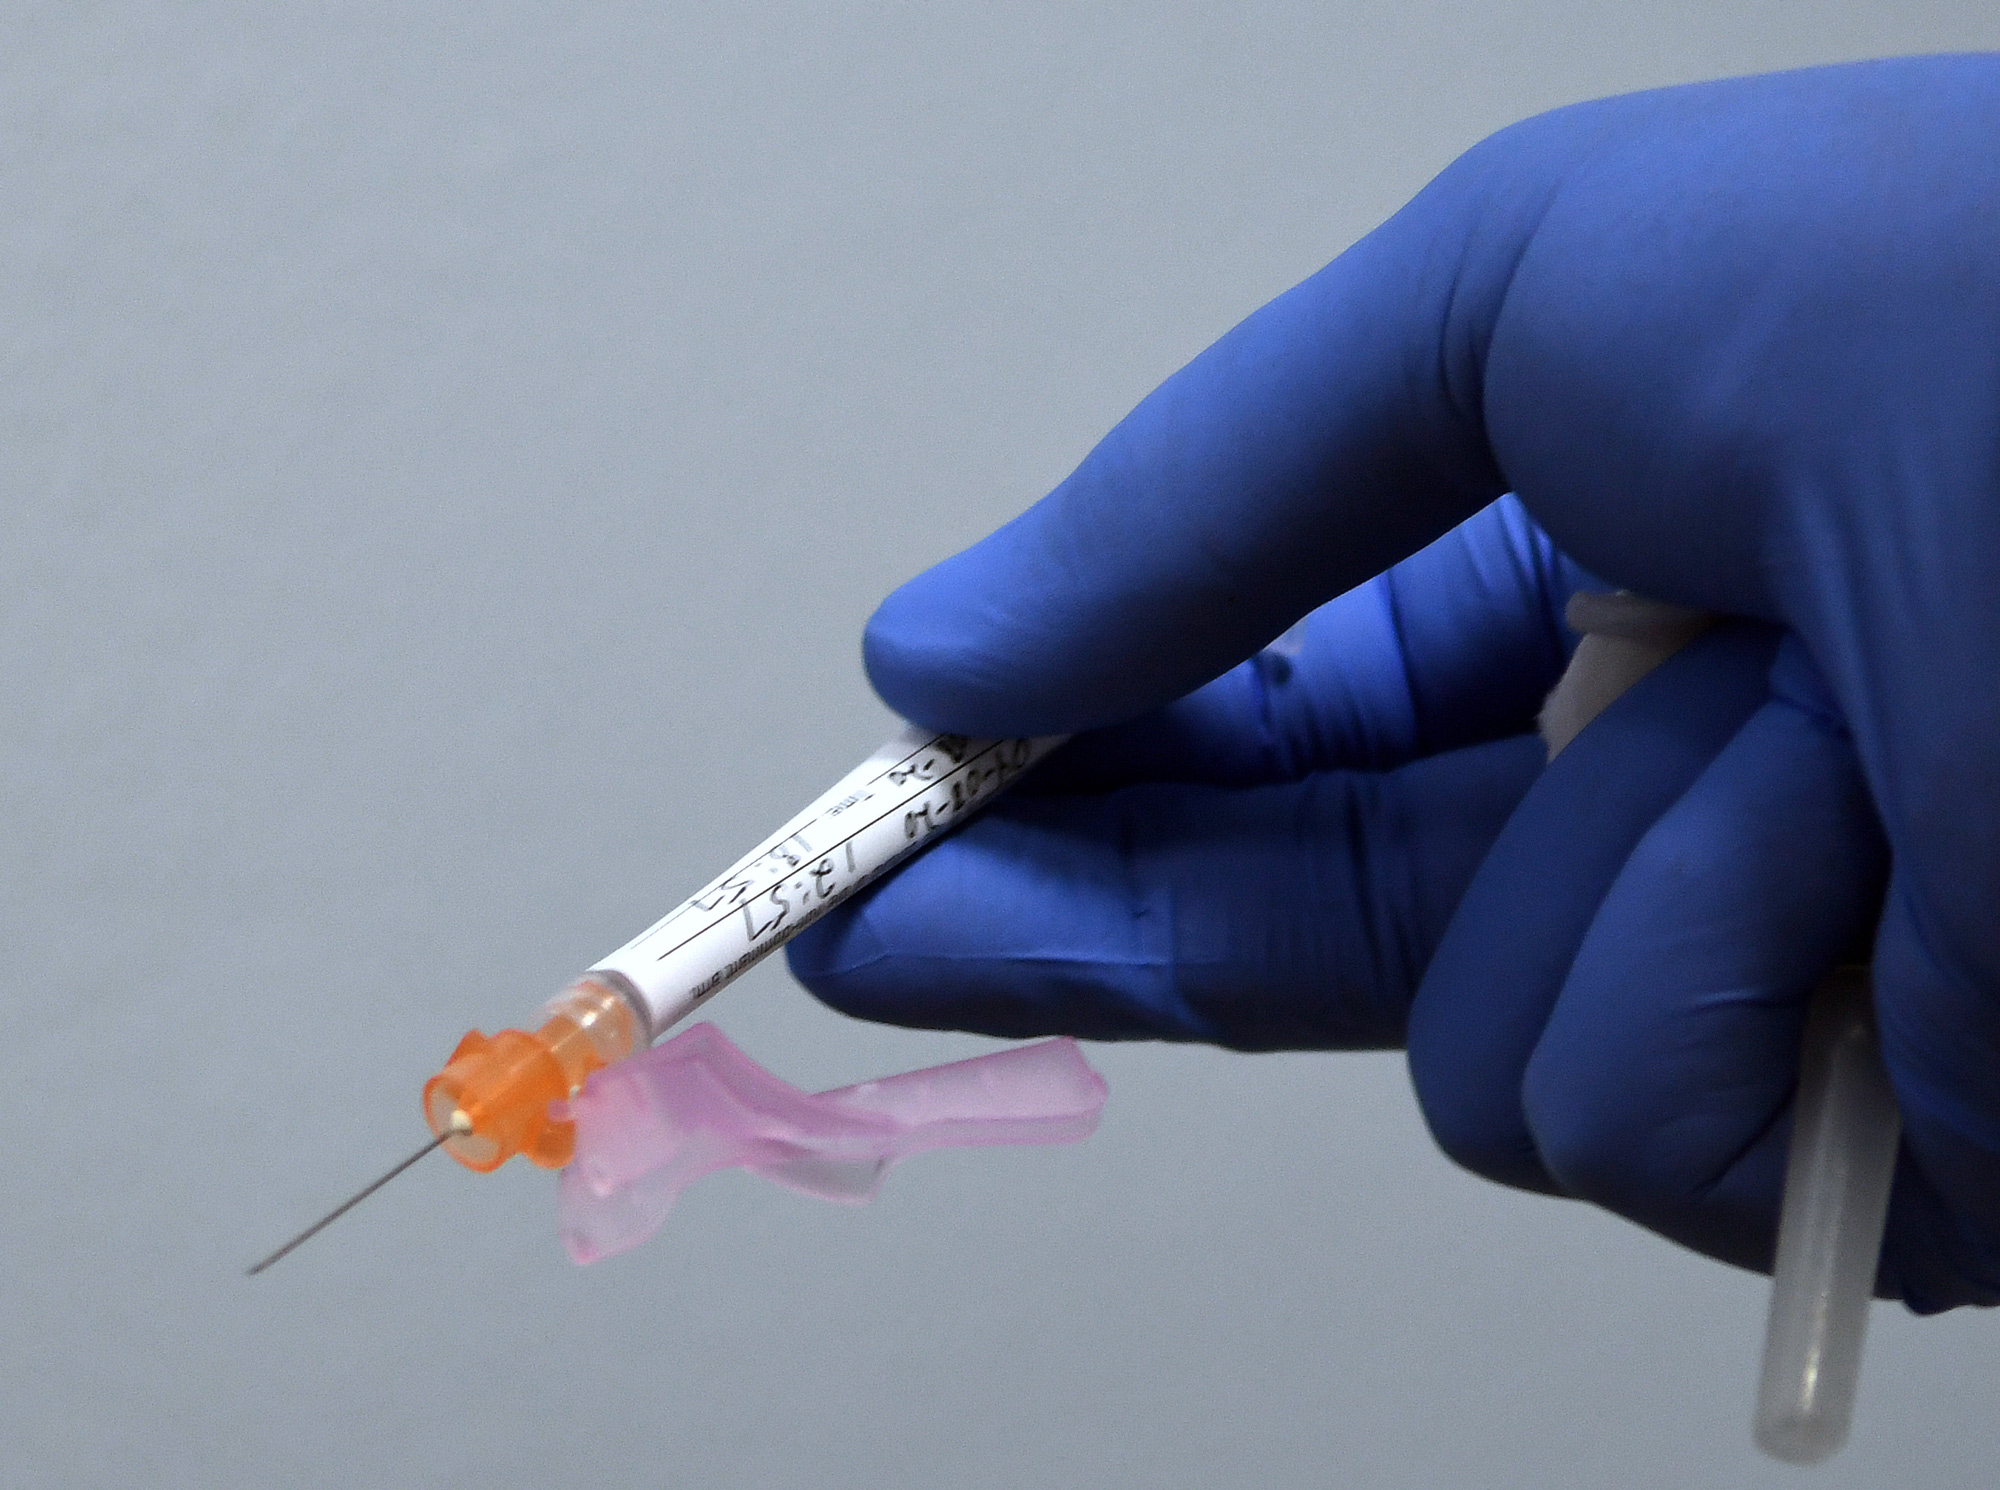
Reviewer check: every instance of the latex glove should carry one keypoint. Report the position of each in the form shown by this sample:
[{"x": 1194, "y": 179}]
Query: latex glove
[{"x": 1736, "y": 346}]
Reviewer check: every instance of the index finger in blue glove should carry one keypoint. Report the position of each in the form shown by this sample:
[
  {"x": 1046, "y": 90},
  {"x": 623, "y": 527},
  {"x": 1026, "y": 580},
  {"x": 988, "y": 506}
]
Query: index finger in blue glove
[
  {"x": 1334, "y": 432},
  {"x": 1456, "y": 645}
]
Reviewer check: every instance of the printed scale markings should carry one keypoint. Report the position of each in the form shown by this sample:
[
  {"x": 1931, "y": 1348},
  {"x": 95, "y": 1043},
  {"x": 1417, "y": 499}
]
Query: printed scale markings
[{"x": 969, "y": 782}]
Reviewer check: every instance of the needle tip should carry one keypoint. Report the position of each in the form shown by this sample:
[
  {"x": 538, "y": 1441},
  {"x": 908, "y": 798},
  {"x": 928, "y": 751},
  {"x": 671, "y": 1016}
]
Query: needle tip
[{"x": 355, "y": 1199}]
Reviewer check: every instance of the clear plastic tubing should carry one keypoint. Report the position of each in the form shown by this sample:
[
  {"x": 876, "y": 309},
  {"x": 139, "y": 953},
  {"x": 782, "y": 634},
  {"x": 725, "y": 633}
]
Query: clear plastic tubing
[{"x": 1845, "y": 1130}]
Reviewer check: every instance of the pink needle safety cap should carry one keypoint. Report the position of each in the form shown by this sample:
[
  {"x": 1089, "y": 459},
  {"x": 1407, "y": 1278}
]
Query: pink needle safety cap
[{"x": 649, "y": 1126}]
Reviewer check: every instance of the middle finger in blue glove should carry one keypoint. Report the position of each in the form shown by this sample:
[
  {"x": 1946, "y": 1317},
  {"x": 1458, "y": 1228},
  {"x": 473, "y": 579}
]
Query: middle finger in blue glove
[{"x": 1289, "y": 916}]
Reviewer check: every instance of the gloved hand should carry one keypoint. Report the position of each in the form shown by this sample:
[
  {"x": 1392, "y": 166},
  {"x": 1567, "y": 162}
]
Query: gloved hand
[
  {"x": 1736, "y": 346},
  {"x": 1266, "y": 863}
]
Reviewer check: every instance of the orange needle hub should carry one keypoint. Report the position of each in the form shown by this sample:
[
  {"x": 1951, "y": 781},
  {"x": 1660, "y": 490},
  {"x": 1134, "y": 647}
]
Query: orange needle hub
[{"x": 492, "y": 1099}]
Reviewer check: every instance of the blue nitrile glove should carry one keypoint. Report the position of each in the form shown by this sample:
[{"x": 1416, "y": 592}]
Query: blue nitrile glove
[
  {"x": 1736, "y": 346},
  {"x": 1266, "y": 863}
]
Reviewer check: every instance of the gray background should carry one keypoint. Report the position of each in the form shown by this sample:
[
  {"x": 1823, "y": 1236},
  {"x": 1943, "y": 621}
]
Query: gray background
[{"x": 440, "y": 446}]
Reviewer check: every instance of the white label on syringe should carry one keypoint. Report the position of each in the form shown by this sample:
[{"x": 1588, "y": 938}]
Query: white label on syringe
[{"x": 915, "y": 787}]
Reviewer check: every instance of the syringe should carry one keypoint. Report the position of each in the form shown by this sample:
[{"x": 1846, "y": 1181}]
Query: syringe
[{"x": 492, "y": 1099}]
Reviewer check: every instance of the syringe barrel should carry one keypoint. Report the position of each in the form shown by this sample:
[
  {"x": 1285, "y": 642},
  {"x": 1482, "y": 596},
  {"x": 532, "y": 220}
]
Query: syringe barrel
[
  {"x": 917, "y": 786},
  {"x": 1845, "y": 1129}
]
